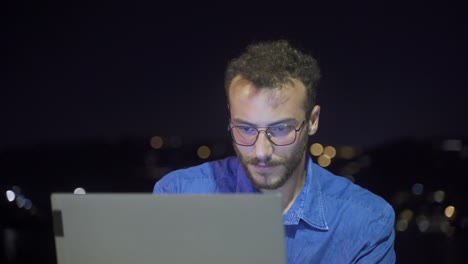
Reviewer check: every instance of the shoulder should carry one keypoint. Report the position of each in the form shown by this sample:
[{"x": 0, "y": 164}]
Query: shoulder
[
  {"x": 339, "y": 188},
  {"x": 202, "y": 178},
  {"x": 363, "y": 220},
  {"x": 358, "y": 204}
]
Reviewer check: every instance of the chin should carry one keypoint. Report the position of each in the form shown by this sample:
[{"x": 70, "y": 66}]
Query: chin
[{"x": 271, "y": 182}]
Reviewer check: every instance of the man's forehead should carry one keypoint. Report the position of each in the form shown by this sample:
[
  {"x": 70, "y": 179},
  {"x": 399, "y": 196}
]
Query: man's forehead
[{"x": 243, "y": 89}]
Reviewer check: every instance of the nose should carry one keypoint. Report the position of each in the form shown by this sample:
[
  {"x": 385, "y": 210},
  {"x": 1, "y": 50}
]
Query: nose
[{"x": 263, "y": 147}]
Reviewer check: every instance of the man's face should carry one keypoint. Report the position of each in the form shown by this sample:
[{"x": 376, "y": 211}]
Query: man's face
[{"x": 269, "y": 166}]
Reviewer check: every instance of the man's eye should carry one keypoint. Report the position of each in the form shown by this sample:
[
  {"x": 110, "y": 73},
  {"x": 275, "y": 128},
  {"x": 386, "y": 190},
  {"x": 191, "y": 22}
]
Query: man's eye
[
  {"x": 279, "y": 130},
  {"x": 247, "y": 130}
]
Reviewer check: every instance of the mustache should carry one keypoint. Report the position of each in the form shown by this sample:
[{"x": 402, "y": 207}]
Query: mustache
[{"x": 267, "y": 162}]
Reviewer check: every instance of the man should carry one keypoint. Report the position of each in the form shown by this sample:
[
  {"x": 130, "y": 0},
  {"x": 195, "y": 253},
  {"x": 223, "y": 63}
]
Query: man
[{"x": 271, "y": 92}]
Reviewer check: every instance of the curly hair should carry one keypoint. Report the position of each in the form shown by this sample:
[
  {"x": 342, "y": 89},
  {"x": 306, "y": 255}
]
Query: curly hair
[{"x": 273, "y": 65}]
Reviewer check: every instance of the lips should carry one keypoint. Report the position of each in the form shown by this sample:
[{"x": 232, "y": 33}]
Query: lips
[{"x": 263, "y": 168}]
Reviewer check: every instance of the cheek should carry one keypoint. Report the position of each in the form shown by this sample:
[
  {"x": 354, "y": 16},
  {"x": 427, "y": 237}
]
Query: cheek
[
  {"x": 241, "y": 151},
  {"x": 284, "y": 152}
]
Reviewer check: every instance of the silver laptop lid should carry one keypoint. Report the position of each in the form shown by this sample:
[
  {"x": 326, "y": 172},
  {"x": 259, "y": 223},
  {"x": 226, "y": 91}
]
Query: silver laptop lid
[{"x": 146, "y": 228}]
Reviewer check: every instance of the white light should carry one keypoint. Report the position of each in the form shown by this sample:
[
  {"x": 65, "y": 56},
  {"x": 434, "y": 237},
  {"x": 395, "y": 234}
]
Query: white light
[
  {"x": 20, "y": 201},
  {"x": 401, "y": 225},
  {"x": 423, "y": 223},
  {"x": 79, "y": 190},
  {"x": 10, "y": 195}
]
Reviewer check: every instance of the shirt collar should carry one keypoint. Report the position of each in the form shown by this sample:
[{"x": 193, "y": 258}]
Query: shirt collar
[{"x": 308, "y": 205}]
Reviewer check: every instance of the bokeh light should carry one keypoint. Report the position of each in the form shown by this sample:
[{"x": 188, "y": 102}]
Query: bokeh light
[
  {"x": 329, "y": 151},
  {"x": 449, "y": 211},
  {"x": 417, "y": 189},
  {"x": 316, "y": 149},
  {"x": 324, "y": 160},
  {"x": 156, "y": 142},
  {"x": 407, "y": 214},
  {"x": 423, "y": 223},
  {"x": 439, "y": 196},
  {"x": 20, "y": 201},
  {"x": 10, "y": 195},
  {"x": 79, "y": 190},
  {"x": 401, "y": 225},
  {"x": 203, "y": 152},
  {"x": 347, "y": 152},
  {"x": 27, "y": 204}
]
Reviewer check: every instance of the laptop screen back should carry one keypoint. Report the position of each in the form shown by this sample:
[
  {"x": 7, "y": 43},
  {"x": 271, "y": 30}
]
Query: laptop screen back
[{"x": 146, "y": 228}]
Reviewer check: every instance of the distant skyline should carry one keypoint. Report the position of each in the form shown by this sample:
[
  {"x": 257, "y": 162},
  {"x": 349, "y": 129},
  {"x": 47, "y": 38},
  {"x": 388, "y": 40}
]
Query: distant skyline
[{"x": 113, "y": 72}]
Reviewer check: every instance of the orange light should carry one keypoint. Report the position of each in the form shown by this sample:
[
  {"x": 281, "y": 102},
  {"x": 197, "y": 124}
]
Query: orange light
[
  {"x": 316, "y": 149},
  {"x": 449, "y": 211},
  {"x": 324, "y": 160},
  {"x": 330, "y": 151},
  {"x": 156, "y": 142},
  {"x": 203, "y": 152}
]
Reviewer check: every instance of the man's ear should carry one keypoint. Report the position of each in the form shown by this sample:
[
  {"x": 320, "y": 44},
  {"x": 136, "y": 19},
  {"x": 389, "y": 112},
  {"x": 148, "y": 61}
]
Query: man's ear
[{"x": 313, "y": 121}]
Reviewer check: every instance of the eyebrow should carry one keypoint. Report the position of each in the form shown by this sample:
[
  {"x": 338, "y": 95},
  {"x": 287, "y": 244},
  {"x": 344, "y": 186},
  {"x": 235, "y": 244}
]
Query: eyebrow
[{"x": 282, "y": 121}]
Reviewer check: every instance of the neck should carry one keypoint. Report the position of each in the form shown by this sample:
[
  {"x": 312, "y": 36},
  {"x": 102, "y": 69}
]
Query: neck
[{"x": 291, "y": 189}]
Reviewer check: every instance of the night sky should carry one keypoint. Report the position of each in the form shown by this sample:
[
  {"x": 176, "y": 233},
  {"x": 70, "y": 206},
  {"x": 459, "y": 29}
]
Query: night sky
[{"x": 86, "y": 71}]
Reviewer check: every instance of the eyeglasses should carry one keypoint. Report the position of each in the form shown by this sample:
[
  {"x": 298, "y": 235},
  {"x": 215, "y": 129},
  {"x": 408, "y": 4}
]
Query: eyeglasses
[{"x": 279, "y": 135}]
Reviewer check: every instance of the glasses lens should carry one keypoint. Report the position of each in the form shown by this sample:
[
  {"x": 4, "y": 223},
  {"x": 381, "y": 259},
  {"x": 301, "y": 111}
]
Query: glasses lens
[
  {"x": 244, "y": 135},
  {"x": 282, "y": 135}
]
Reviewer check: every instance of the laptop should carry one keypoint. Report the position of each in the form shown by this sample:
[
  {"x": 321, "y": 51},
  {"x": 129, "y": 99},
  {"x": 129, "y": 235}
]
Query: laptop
[{"x": 145, "y": 228}]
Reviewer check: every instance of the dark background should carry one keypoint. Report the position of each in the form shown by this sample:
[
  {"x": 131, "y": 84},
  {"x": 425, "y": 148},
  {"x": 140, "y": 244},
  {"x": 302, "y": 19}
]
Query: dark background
[{"x": 85, "y": 86}]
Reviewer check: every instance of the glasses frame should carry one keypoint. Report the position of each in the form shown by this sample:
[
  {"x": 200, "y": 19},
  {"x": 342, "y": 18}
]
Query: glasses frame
[{"x": 296, "y": 130}]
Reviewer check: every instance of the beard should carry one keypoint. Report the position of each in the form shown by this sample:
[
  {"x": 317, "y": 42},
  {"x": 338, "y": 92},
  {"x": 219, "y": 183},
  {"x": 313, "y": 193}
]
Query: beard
[{"x": 288, "y": 165}]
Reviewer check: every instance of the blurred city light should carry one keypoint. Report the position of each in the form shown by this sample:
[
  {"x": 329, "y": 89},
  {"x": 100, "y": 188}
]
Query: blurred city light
[
  {"x": 407, "y": 215},
  {"x": 347, "y": 152},
  {"x": 27, "y": 204},
  {"x": 20, "y": 201},
  {"x": 324, "y": 160},
  {"x": 449, "y": 211},
  {"x": 203, "y": 152},
  {"x": 316, "y": 149},
  {"x": 79, "y": 190},
  {"x": 439, "y": 196},
  {"x": 10, "y": 195},
  {"x": 156, "y": 142},
  {"x": 423, "y": 223},
  {"x": 330, "y": 151},
  {"x": 401, "y": 225},
  {"x": 417, "y": 189}
]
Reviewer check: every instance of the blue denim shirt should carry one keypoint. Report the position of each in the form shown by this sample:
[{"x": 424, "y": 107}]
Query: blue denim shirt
[{"x": 332, "y": 220}]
